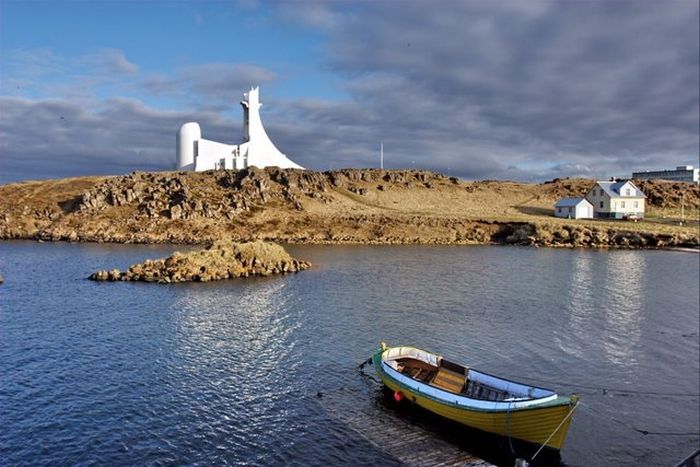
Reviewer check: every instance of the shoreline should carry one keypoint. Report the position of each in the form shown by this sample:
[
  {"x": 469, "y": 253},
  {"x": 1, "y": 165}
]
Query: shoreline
[
  {"x": 343, "y": 207},
  {"x": 364, "y": 243}
]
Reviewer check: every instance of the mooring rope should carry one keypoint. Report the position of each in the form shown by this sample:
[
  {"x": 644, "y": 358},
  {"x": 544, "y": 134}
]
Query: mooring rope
[
  {"x": 509, "y": 420},
  {"x": 644, "y": 432},
  {"x": 619, "y": 391},
  {"x": 366, "y": 362},
  {"x": 364, "y": 374},
  {"x": 555, "y": 430}
]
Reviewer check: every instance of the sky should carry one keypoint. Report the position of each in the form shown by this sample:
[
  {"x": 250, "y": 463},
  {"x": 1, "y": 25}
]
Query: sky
[{"x": 521, "y": 90}]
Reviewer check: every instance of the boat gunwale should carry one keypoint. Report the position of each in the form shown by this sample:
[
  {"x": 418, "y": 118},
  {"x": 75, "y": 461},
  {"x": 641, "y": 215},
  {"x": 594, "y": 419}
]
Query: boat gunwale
[
  {"x": 508, "y": 406},
  {"x": 470, "y": 368}
]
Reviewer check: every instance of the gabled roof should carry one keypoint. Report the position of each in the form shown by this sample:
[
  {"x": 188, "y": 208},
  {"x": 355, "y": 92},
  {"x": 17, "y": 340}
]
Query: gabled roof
[
  {"x": 570, "y": 202},
  {"x": 612, "y": 189}
]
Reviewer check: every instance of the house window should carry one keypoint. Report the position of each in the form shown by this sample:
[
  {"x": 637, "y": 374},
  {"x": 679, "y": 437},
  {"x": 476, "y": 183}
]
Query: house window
[
  {"x": 601, "y": 192},
  {"x": 627, "y": 192},
  {"x": 601, "y": 205},
  {"x": 636, "y": 204},
  {"x": 622, "y": 204}
]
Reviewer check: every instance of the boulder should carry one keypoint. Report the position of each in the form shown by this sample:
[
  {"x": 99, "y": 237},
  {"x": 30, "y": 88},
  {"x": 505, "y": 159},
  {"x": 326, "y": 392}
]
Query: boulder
[{"x": 99, "y": 276}]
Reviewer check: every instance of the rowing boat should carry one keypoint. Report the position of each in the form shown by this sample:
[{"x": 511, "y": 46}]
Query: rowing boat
[{"x": 474, "y": 398}]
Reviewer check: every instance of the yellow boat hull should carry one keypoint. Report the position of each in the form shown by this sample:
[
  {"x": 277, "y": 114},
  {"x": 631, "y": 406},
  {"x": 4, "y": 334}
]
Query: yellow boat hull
[{"x": 538, "y": 425}]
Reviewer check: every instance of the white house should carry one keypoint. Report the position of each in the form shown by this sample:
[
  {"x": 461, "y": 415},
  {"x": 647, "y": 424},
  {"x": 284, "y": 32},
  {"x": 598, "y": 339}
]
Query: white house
[
  {"x": 197, "y": 153},
  {"x": 574, "y": 208},
  {"x": 617, "y": 200}
]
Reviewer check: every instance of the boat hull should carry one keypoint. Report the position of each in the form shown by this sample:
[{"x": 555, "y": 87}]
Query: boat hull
[{"x": 547, "y": 423}]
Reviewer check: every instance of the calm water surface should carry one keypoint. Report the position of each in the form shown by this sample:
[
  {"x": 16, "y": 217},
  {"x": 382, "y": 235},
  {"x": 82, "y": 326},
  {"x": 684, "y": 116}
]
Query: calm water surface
[{"x": 230, "y": 372}]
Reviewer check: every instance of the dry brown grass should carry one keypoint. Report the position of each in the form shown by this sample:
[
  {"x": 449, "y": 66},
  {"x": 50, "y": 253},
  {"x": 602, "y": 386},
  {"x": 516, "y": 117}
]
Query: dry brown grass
[{"x": 417, "y": 207}]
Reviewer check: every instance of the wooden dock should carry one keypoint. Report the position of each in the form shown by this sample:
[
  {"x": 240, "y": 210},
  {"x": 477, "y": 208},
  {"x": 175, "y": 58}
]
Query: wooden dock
[{"x": 408, "y": 443}]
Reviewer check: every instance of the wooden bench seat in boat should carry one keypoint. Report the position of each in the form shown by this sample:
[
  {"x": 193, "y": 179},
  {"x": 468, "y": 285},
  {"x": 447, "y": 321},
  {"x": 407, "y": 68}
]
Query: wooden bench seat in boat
[
  {"x": 481, "y": 391},
  {"x": 448, "y": 380},
  {"x": 416, "y": 369}
]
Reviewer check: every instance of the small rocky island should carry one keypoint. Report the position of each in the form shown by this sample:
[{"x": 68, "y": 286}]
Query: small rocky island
[{"x": 221, "y": 260}]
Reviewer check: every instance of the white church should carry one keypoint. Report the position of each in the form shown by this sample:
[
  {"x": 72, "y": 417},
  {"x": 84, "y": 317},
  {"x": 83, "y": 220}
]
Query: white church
[{"x": 197, "y": 153}]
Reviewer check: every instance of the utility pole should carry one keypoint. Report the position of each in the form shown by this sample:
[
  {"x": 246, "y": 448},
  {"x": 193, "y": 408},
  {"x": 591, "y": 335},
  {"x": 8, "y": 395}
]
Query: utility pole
[
  {"x": 682, "y": 207},
  {"x": 381, "y": 156}
]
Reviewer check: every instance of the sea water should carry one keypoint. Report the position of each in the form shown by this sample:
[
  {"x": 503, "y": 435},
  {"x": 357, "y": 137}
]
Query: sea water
[{"x": 237, "y": 372}]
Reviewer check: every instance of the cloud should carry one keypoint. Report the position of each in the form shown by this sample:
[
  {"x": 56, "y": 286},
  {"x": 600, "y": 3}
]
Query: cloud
[
  {"x": 222, "y": 82},
  {"x": 214, "y": 86},
  {"x": 55, "y": 137},
  {"x": 480, "y": 89},
  {"x": 45, "y": 61},
  {"x": 112, "y": 61},
  {"x": 45, "y": 74},
  {"x": 610, "y": 86},
  {"x": 314, "y": 13},
  {"x": 54, "y": 123}
]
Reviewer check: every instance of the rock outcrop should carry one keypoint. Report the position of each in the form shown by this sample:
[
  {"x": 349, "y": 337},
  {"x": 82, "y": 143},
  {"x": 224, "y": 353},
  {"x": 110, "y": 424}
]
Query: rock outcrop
[
  {"x": 357, "y": 206},
  {"x": 222, "y": 260}
]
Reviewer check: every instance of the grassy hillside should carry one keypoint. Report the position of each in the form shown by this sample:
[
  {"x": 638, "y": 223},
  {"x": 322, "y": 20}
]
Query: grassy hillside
[{"x": 343, "y": 206}]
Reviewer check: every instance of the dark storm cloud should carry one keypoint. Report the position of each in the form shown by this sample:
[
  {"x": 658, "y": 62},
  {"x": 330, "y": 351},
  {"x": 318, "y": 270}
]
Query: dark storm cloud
[
  {"x": 493, "y": 88},
  {"x": 54, "y": 138},
  {"x": 513, "y": 90}
]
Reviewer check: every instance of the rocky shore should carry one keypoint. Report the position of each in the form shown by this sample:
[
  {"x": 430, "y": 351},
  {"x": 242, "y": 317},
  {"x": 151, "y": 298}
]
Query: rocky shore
[
  {"x": 349, "y": 206},
  {"x": 222, "y": 260}
]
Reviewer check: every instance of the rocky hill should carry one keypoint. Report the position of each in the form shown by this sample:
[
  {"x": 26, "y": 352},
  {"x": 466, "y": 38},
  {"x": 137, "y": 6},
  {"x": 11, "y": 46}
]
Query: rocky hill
[{"x": 342, "y": 206}]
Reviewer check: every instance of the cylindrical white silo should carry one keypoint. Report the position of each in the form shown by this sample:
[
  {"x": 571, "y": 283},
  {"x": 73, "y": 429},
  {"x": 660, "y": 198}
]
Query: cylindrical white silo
[{"x": 187, "y": 137}]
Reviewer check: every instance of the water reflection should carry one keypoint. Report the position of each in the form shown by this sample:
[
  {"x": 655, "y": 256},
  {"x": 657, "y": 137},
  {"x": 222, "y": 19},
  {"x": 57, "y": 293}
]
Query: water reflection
[
  {"x": 605, "y": 305},
  {"x": 622, "y": 307},
  {"x": 245, "y": 324},
  {"x": 582, "y": 307},
  {"x": 235, "y": 356}
]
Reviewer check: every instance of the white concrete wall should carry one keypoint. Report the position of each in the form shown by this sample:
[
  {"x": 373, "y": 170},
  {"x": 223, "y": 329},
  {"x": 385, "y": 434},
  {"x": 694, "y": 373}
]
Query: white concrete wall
[
  {"x": 211, "y": 153},
  {"x": 187, "y": 138},
  {"x": 196, "y": 153},
  {"x": 261, "y": 151}
]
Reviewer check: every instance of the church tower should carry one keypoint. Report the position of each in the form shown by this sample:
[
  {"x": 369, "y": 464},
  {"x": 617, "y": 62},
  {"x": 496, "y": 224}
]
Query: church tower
[{"x": 197, "y": 153}]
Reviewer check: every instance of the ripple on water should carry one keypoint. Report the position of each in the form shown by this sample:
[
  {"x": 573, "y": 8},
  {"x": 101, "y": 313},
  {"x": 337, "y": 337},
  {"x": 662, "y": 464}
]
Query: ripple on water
[{"x": 230, "y": 372}]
